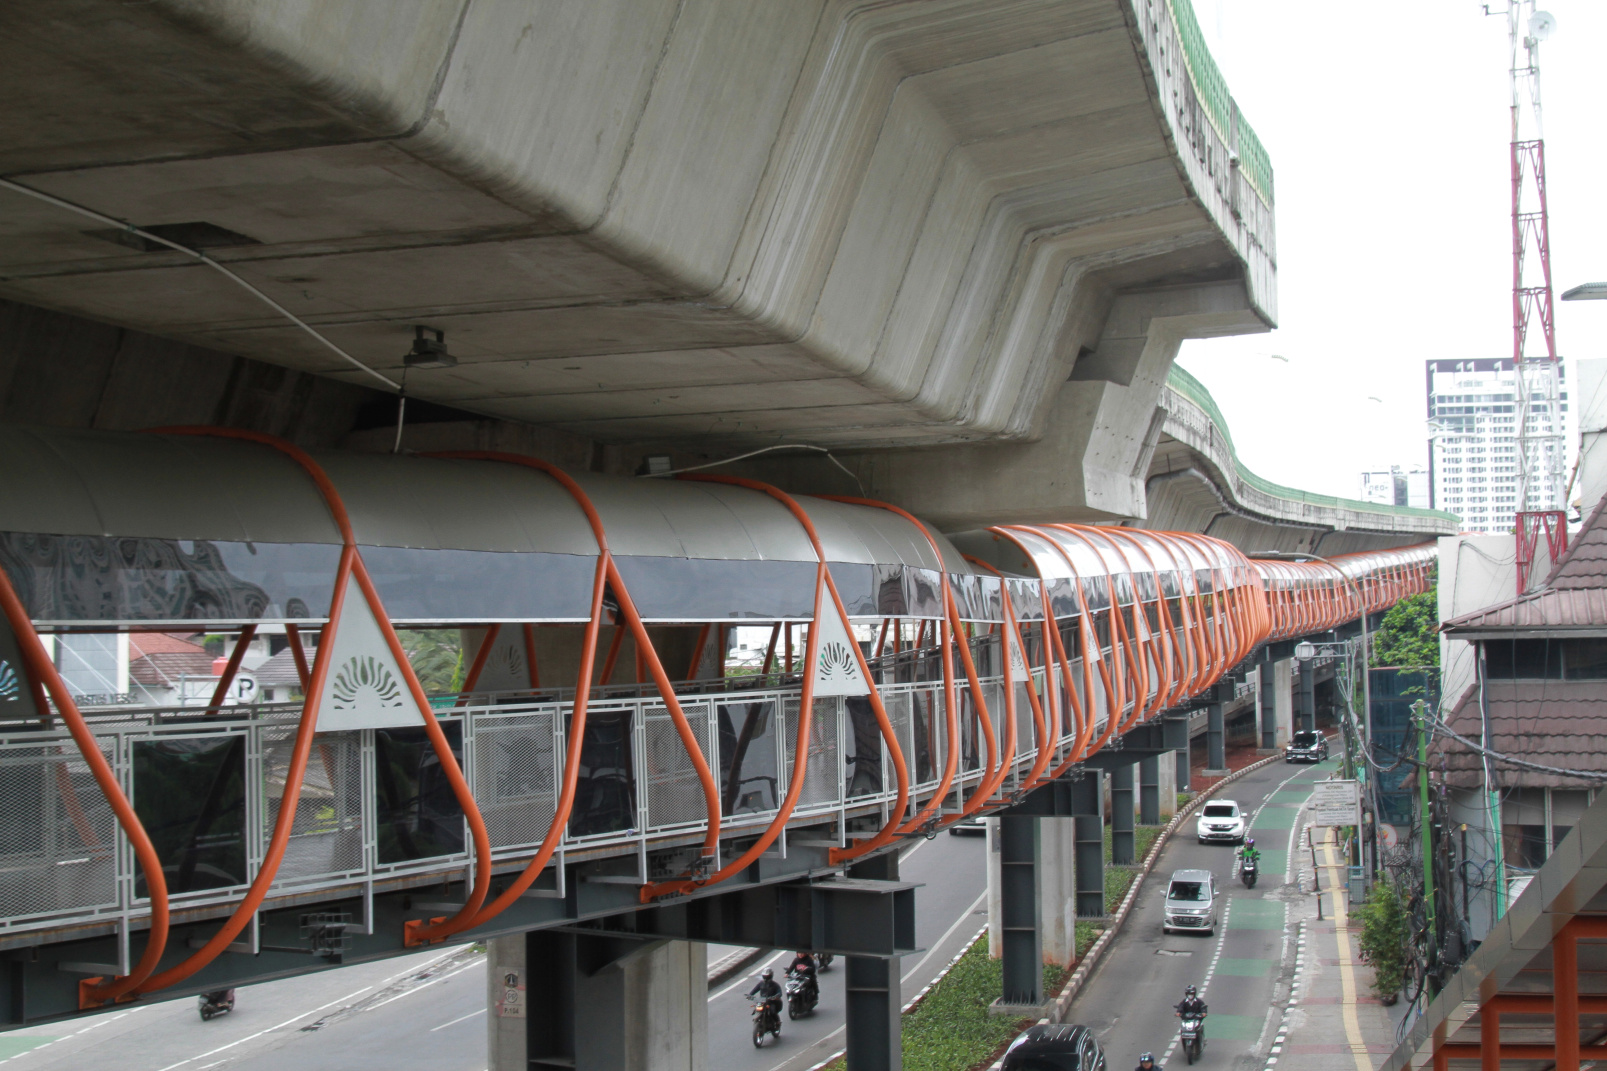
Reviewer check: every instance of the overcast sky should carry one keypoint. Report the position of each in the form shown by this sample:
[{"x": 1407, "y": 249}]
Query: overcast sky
[{"x": 1388, "y": 131}]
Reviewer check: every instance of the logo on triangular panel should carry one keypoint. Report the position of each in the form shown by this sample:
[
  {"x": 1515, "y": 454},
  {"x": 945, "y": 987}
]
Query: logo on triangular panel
[
  {"x": 836, "y": 668},
  {"x": 16, "y": 698},
  {"x": 505, "y": 669},
  {"x": 365, "y": 688}
]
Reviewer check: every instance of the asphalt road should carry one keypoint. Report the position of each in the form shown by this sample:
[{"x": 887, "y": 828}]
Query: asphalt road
[
  {"x": 1239, "y": 970},
  {"x": 950, "y": 908},
  {"x": 428, "y": 1009}
]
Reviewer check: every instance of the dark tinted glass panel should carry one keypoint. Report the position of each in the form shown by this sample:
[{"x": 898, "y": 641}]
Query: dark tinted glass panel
[
  {"x": 1524, "y": 845},
  {"x": 417, "y": 812},
  {"x": 928, "y": 723},
  {"x": 704, "y": 589},
  {"x": 115, "y": 578},
  {"x": 1585, "y": 660},
  {"x": 470, "y": 585},
  {"x": 1523, "y": 659},
  {"x": 748, "y": 778},
  {"x": 605, "y": 790},
  {"x": 190, "y": 797},
  {"x": 864, "y": 757}
]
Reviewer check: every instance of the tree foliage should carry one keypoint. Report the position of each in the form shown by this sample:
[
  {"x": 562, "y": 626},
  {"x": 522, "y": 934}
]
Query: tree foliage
[
  {"x": 1410, "y": 635},
  {"x": 1383, "y": 937},
  {"x": 437, "y": 657}
]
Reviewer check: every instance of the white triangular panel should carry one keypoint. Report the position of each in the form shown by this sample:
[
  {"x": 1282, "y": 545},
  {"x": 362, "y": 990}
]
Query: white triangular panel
[
  {"x": 16, "y": 696},
  {"x": 1018, "y": 663},
  {"x": 364, "y": 688},
  {"x": 837, "y": 669},
  {"x": 505, "y": 669}
]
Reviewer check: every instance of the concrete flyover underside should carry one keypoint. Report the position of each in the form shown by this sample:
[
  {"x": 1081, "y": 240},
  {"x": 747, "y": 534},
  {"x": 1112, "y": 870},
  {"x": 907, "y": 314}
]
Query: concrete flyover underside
[{"x": 711, "y": 224}]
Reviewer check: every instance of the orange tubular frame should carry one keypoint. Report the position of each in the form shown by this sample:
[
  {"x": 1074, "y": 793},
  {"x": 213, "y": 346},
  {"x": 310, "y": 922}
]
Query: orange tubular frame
[
  {"x": 351, "y": 568},
  {"x": 42, "y": 674}
]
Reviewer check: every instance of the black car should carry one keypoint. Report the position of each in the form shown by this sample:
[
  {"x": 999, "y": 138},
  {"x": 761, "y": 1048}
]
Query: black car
[
  {"x": 1306, "y": 746},
  {"x": 1055, "y": 1048}
]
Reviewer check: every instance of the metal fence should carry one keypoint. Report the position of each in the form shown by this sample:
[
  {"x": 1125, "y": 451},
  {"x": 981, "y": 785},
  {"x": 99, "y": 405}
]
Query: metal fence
[{"x": 209, "y": 789}]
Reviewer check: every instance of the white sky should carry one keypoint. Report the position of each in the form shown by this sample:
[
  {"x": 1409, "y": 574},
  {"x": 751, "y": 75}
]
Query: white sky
[{"x": 1388, "y": 128}]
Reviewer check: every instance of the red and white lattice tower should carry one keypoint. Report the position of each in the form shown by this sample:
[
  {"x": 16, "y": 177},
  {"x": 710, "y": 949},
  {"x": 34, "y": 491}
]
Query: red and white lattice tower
[{"x": 1541, "y": 437}]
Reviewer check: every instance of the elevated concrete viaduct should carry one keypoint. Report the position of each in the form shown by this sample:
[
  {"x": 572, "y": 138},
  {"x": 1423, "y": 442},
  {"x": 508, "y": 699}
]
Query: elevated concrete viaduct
[{"x": 957, "y": 243}]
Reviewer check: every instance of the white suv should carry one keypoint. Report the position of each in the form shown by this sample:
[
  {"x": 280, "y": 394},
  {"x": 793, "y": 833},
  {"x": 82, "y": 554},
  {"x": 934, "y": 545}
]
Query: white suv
[{"x": 1220, "y": 820}]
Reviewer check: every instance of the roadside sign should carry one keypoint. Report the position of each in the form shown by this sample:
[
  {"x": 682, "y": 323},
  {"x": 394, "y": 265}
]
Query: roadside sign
[
  {"x": 512, "y": 1004},
  {"x": 1335, "y": 803}
]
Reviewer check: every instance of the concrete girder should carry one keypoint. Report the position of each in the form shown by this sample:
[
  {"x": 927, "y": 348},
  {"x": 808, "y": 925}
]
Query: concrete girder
[{"x": 918, "y": 174}]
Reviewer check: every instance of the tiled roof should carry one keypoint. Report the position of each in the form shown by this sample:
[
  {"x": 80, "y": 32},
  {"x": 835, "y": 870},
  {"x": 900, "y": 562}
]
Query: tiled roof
[
  {"x": 1555, "y": 723},
  {"x": 163, "y": 669},
  {"x": 1573, "y": 600},
  {"x": 280, "y": 669},
  {"x": 144, "y": 643},
  {"x": 1585, "y": 563}
]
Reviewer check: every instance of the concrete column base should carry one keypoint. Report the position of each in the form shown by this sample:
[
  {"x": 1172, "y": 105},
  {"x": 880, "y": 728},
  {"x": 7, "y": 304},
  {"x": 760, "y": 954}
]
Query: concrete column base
[{"x": 1019, "y": 1011}]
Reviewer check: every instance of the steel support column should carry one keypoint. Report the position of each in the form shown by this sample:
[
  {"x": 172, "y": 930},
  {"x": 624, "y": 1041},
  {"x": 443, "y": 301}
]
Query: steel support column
[
  {"x": 1121, "y": 815},
  {"x": 1018, "y": 909},
  {"x": 1089, "y": 842},
  {"x": 872, "y": 993},
  {"x": 1306, "y": 696},
  {"x": 1149, "y": 791}
]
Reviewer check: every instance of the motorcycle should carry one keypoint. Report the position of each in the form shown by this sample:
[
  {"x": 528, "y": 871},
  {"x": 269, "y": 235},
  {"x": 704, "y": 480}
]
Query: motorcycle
[
  {"x": 802, "y": 997},
  {"x": 823, "y": 961},
  {"x": 766, "y": 1020},
  {"x": 1247, "y": 871},
  {"x": 216, "y": 1003},
  {"x": 1192, "y": 1035}
]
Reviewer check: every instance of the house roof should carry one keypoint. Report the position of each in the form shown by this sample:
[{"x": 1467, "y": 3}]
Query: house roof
[
  {"x": 1573, "y": 602},
  {"x": 1554, "y": 723},
  {"x": 164, "y": 669},
  {"x": 280, "y": 669},
  {"x": 145, "y": 643}
]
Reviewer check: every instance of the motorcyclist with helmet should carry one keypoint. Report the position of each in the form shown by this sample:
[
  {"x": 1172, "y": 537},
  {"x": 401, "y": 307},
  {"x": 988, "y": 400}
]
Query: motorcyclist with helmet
[
  {"x": 1192, "y": 1007},
  {"x": 768, "y": 991},
  {"x": 1146, "y": 1062},
  {"x": 803, "y": 967}
]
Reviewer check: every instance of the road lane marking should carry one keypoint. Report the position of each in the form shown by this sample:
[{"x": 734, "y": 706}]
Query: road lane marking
[
  {"x": 740, "y": 982},
  {"x": 1347, "y": 974},
  {"x": 946, "y": 935},
  {"x": 459, "y": 1019},
  {"x": 310, "y": 1011}
]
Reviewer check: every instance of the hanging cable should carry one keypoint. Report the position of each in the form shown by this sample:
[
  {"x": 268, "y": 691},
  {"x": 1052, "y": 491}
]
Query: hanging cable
[{"x": 129, "y": 228}]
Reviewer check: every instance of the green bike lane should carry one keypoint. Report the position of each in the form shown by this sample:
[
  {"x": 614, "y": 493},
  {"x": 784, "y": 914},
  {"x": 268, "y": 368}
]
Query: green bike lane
[{"x": 1242, "y": 970}]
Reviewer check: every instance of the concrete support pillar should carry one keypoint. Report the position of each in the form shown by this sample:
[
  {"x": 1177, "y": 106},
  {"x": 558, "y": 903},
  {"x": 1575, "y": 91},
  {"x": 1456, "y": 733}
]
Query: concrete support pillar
[
  {"x": 1149, "y": 791},
  {"x": 1216, "y": 752},
  {"x": 1266, "y": 707},
  {"x": 1121, "y": 814},
  {"x": 1057, "y": 891},
  {"x": 872, "y": 993},
  {"x": 1090, "y": 852},
  {"x": 1283, "y": 675},
  {"x": 1018, "y": 909},
  {"x": 1184, "y": 760},
  {"x": 1308, "y": 695},
  {"x": 593, "y": 1003}
]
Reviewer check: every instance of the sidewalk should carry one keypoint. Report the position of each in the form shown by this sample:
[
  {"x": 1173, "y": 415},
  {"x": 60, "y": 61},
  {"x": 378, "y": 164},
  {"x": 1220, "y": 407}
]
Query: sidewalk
[{"x": 1331, "y": 1022}]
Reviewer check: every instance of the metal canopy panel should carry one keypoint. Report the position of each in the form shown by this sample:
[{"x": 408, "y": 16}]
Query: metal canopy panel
[
  {"x": 443, "y": 504},
  {"x": 99, "y": 483}
]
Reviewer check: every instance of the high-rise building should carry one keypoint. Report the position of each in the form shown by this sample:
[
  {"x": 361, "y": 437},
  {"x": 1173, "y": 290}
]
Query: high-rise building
[
  {"x": 1396, "y": 487},
  {"x": 1473, "y": 444}
]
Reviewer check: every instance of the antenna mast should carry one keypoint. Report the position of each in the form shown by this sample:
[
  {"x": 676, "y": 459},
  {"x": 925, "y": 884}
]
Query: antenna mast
[{"x": 1540, "y": 436}]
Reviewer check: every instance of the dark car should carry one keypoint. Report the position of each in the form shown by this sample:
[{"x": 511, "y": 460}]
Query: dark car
[
  {"x": 1306, "y": 746},
  {"x": 1055, "y": 1048}
]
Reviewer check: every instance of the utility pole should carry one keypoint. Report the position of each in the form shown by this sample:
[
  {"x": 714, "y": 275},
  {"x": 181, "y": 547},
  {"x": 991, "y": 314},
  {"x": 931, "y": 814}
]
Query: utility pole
[{"x": 1425, "y": 825}]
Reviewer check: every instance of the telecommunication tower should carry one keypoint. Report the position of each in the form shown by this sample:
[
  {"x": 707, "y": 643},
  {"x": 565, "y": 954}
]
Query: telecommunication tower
[{"x": 1541, "y": 441}]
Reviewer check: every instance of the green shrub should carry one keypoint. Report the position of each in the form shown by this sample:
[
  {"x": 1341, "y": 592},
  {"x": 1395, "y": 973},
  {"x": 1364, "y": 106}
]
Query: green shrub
[{"x": 1383, "y": 937}]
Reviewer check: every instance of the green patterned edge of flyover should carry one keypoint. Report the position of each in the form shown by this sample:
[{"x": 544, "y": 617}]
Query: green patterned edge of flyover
[
  {"x": 1195, "y": 391},
  {"x": 1212, "y": 89}
]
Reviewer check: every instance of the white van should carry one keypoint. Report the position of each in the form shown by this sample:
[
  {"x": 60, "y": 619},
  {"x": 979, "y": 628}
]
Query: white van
[{"x": 1190, "y": 902}]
